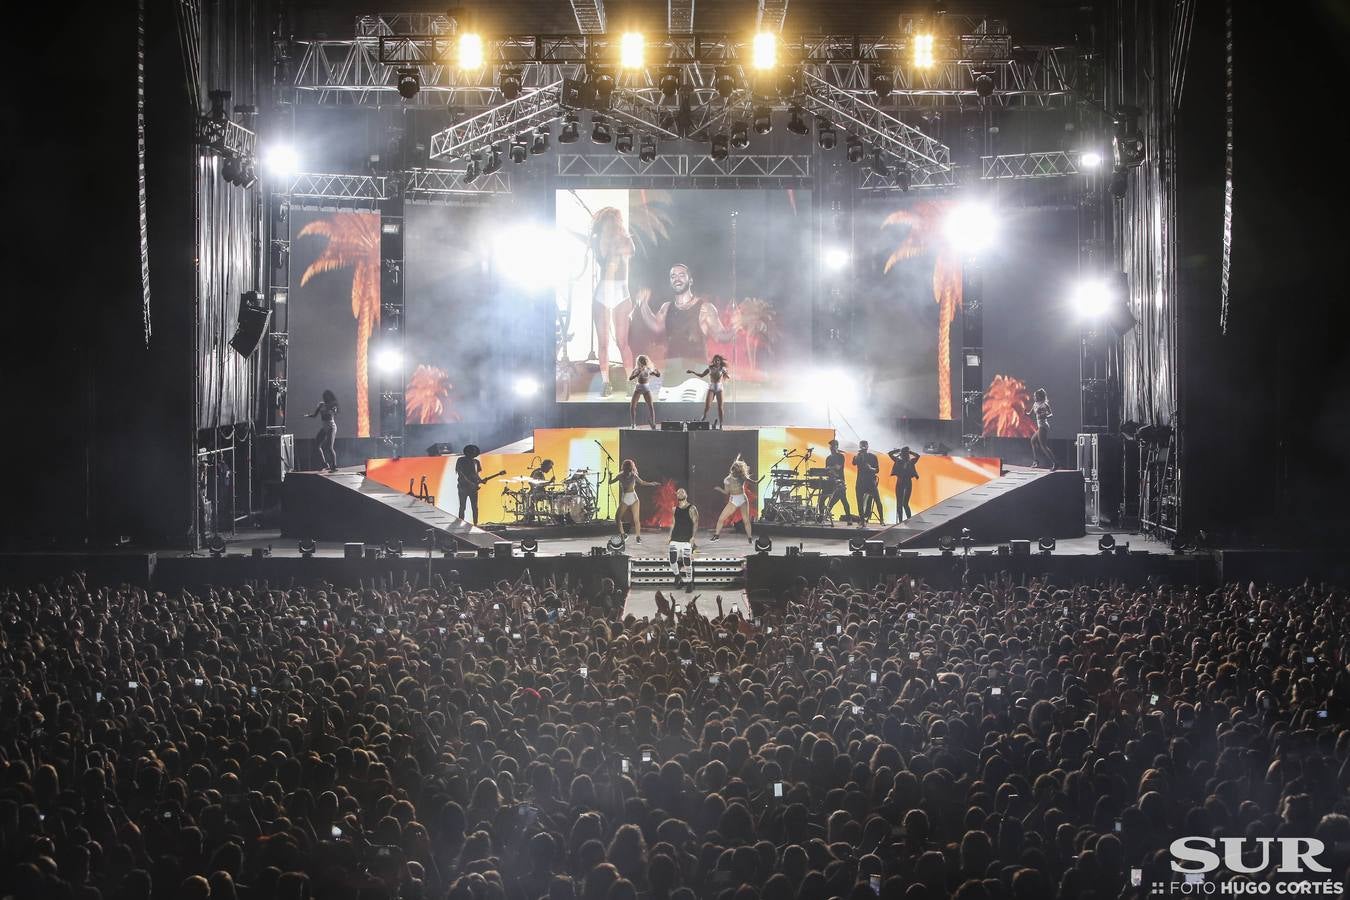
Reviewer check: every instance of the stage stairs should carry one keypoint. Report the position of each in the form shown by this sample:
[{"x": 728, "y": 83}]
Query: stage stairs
[
  {"x": 1022, "y": 504},
  {"x": 347, "y": 506},
  {"x": 709, "y": 572}
]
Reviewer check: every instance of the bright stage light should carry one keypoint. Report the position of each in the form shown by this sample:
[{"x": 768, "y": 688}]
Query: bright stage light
[
  {"x": 1091, "y": 298},
  {"x": 1089, "y": 159},
  {"x": 388, "y": 359},
  {"x": 281, "y": 160},
  {"x": 529, "y": 254},
  {"x": 631, "y": 50},
  {"x": 470, "y": 51},
  {"x": 835, "y": 258},
  {"x": 971, "y": 226},
  {"x": 923, "y": 51},
  {"x": 765, "y": 55},
  {"x": 525, "y": 386}
]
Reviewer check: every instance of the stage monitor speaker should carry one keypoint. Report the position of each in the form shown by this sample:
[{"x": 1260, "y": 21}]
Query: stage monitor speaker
[
  {"x": 501, "y": 549},
  {"x": 1020, "y": 548},
  {"x": 353, "y": 550},
  {"x": 441, "y": 449},
  {"x": 874, "y": 547},
  {"x": 485, "y": 553},
  {"x": 253, "y": 316},
  {"x": 700, "y": 425},
  {"x": 466, "y": 554},
  {"x": 672, "y": 426},
  {"x": 372, "y": 553}
]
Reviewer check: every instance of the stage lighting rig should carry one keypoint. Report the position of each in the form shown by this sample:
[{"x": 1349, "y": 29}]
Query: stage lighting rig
[
  {"x": 789, "y": 83},
  {"x": 720, "y": 143},
  {"x": 796, "y": 123},
  {"x": 855, "y": 150},
  {"x": 216, "y": 544},
  {"x": 647, "y": 148},
  {"x": 570, "y": 131},
  {"x": 631, "y": 50},
  {"x": 764, "y": 50},
  {"x": 763, "y": 545},
  {"x": 307, "y": 547},
  {"x": 474, "y": 169},
  {"x": 882, "y": 81},
  {"x": 669, "y": 83},
  {"x": 393, "y": 549},
  {"x": 1089, "y": 159},
  {"x": 740, "y": 136},
  {"x": 763, "y": 121},
  {"x": 602, "y": 80},
  {"x": 904, "y": 177},
  {"x": 1106, "y": 543},
  {"x": 623, "y": 139},
  {"x": 494, "y": 161},
  {"x": 529, "y": 547},
  {"x": 616, "y": 544},
  {"x": 541, "y": 140},
  {"x": 510, "y": 81},
  {"x": 725, "y": 83},
  {"x": 984, "y": 82},
  {"x": 409, "y": 82},
  {"x": 879, "y": 164},
  {"x": 1046, "y": 545},
  {"x": 600, "y": 131},
  {"x": 520, "y": 150},
  {"x": 857, "y": 546},
  {"x": 826, "y": 136},
  {"x": 923, "y": 51},
  {"x": 1127, "y": 140},
  {"x": 470, "y": 51}
]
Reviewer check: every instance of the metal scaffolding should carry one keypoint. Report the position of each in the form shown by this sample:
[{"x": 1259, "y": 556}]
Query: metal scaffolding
[
  {"x": 757, "y": 168},
  {"x": 368, "y": 191},
  {"x": 1010, "y": 166}
]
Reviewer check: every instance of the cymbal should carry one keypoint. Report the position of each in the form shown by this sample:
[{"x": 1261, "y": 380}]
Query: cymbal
[{"x": 524, "y": 479}]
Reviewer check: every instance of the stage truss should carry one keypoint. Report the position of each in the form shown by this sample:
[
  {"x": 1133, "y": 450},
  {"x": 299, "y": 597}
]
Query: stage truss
[{"x": 368, "y": 191}]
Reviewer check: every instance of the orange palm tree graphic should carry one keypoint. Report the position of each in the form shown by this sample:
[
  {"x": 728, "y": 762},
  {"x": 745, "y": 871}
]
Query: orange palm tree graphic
[
  {"x": 925, "y": 234},
  {"x": 353, "y": 243}
]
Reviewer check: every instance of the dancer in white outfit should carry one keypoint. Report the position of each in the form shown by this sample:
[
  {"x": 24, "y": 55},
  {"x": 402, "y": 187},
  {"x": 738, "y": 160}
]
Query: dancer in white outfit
[
  {"x": 716, "y": 373},
  {"x": 628, "y": 481},
  {"x": 737, "y": 500}
]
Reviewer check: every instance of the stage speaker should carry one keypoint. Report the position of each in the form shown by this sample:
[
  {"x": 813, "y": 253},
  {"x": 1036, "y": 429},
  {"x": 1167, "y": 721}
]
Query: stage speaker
[
  {"x": 701, "y": 425},
  {"x": 874, "y": 547},
  {"x": 485, "y": 553},
  {"x": 275, "y": 456},
  {"x": 441, "y": 449},
  {"x": 501, "y": 549},
  {"x": 1020, "y": 548},
  {"x": 353, "y": 551},
  {"x": 372, "y": 553},
  {"x": 672, "y": 426},
  {"x": 253, "y": 316},
  {"x": 466, "y": 554}
]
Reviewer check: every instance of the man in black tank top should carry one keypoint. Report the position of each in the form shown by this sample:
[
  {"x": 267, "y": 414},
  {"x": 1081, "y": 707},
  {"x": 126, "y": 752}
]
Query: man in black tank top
[
  {"x": 682, "y": 530},
  {"x": 686, "y": 323}
]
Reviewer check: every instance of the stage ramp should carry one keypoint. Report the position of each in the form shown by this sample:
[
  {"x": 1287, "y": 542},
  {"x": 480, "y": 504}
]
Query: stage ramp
[
  {"x": 347, "y": 506},
  {"x": 1021, "y": 504}
]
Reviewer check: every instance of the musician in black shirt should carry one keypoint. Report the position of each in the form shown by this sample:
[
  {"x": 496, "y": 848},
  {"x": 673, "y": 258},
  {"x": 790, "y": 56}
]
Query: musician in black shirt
[
  {"x": 468, "y": 474},
  {"x": 903, "y": 468},
  {"x": 837, "y": 489},
  {"x": 865, "y": 461}
]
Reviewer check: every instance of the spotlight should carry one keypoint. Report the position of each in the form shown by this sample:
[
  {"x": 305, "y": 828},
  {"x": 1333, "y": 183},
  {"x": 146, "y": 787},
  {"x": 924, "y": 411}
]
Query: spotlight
[
  {"x": 1092, "y": 298},
  {"x": 281, "y": 160},
  {"x": 393, "y": 548},
  {"x": 229, "y": 170},
  {"x": 855, "y": 149},
  {"x": 494, "y": 161},
  {"x": 669, "y": 83},
  {"x": 631, "y": 50},
  {"x": 1127, "y": 141},
  {"x": 474, "y": 169},
  {"x": 879, "y": 164},
  {"x": 509, "y": 82},
  {"x": 740, "y": 136},
  {"x": 1047, "y": 545},
  {"x": 647, "y": 148},
  {"x": 947, "y": 544},
  {"x": 763, "y": 122},
  {"x": 765, "y": 50},
  {"x": 616, "y": 544},
  {"x": 971, "y": 226},
  {"x": 520, "y": 150},
  {"x": 796, "y": 124},
  {"x": 856, "y": 546},
  {"x": 1106, "y": 543},
  {"x": 789, "y": 83},
  {"x": 600, "y": 133},
  {"x": 725, "y": 82},
  {"x": 525, "y": 386},
  {"x": 719, "y": 147},
  {"x": 570, "y": 131},
  {"x": 923, "y": 51},
  {"x": 984, "y": 82},
  {"x": 409, "y": 83},
  {"x": 1089, "y": 159},
  {"x": 826, "y": 136},
  {"x": 216, "y": 544},
  {"x": 835, "y": 258},
  {"x": 763, "y": 545},
  {"x": 882, "y": 81},
  {"x": 388, "y": 359},
  {"x": 623, "y": 140},
  {"x": 307, "y": 548},
  {"x": 541, "y": 140},
  {"x": 1120, "y": 183},
  {"x": 529, "y": 547},
  {"x": 470, "y": 51},
  {"x": 603, "y": 81}
]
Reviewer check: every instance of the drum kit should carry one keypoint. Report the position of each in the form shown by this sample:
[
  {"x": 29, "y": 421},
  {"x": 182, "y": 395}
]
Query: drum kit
[
  {"x": 530, "y": 501},
  {"x": 796, "y": 492}
]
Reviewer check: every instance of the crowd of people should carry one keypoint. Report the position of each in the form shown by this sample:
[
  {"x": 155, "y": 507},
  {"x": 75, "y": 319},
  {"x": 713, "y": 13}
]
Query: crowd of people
[{"x": 1007, "y": 741}]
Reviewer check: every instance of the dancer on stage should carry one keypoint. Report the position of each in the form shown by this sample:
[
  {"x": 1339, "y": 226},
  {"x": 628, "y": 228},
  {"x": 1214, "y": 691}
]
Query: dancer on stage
[
  {"x": 716, "y": 373},
  {"x": 682, "y": 530},
  {"x": 737, "y": 499},
  {"x": 642, "y": 373},
  {"x": 865, "y": 461},
  {"x": 1040, "y": 441},
  {"x": 837, "y": 490},
  {"x": 326, "y": 439},
  {"x": 687, "y": 322},
  {"x": 629, "y": 481},
  {"x": 902, "y": 467}
]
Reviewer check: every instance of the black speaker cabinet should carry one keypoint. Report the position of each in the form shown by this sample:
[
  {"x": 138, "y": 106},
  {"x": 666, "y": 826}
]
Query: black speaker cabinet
[{"x": 253, "y": 316}]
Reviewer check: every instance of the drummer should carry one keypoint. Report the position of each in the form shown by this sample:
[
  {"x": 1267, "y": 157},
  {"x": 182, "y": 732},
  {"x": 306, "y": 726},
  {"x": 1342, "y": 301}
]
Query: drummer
[{"x": 541, "y": 478}]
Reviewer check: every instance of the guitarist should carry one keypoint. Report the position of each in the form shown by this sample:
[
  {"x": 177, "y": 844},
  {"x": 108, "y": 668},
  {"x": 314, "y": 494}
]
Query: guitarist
[
  {"x": 836, "y": 490},
  {"x": 469, "y": 475}
]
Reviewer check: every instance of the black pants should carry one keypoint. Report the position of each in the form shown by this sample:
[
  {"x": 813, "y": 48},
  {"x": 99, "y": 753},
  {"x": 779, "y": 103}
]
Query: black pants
[
  {"x": 836, "y": 494},
  {"x": 869, "y": 498},
  {"x": 470, "y": 497},
  {"x": 904, "y": 487}
]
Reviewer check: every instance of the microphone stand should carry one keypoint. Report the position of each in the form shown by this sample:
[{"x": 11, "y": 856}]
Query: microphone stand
[{"x": 602, "y": 480}]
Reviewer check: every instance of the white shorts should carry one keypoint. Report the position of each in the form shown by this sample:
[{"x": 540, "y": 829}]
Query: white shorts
[
  {"x": 715, "y": 389},
  {"x": 629, "y": 498},
  {"x": 737, "y": 500}
]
